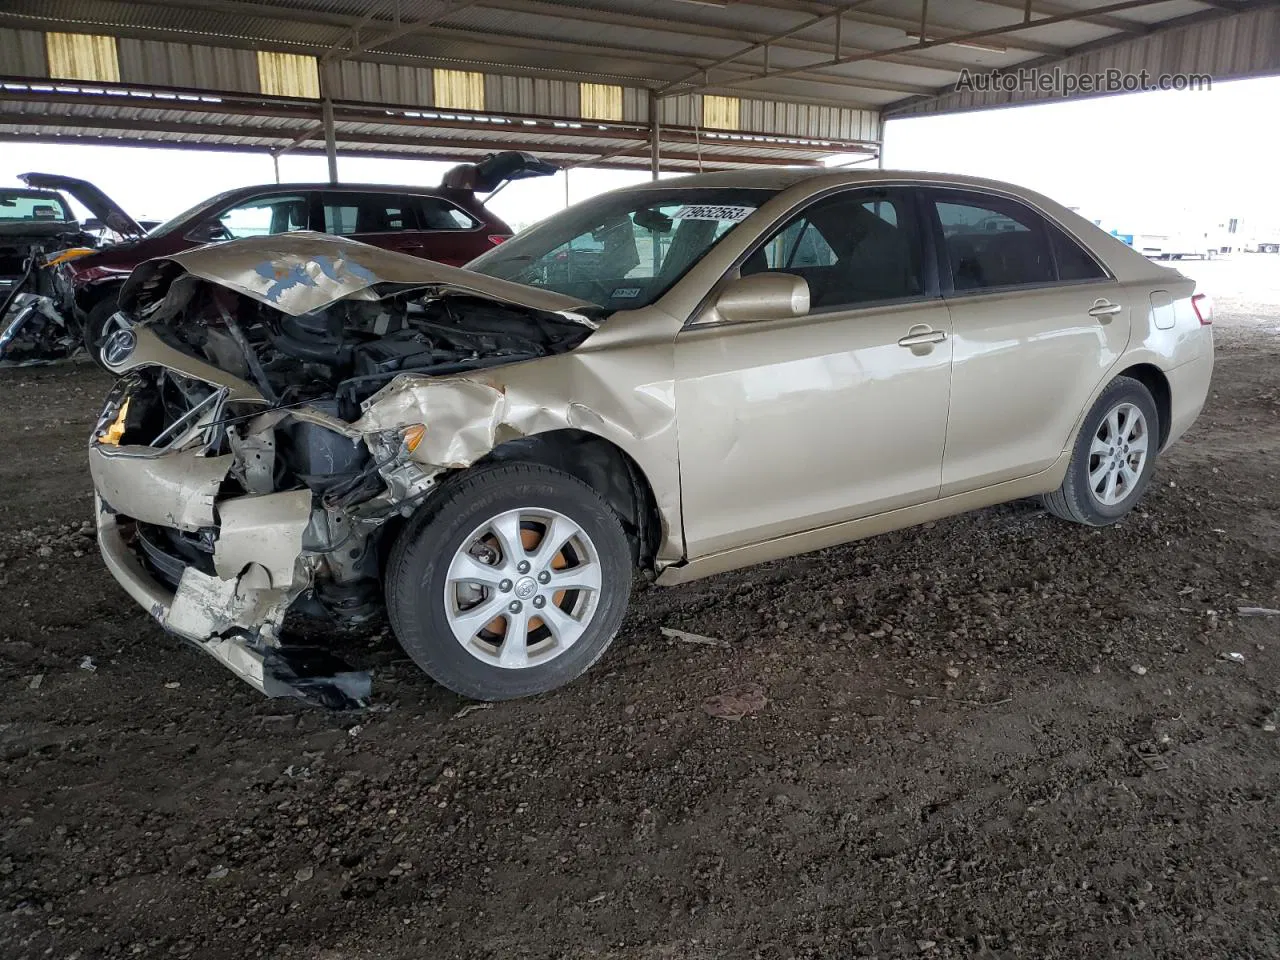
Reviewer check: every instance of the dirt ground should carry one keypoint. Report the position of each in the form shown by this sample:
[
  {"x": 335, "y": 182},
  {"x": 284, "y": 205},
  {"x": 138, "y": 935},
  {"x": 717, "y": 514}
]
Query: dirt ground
[{"x": 998, "y": 736}]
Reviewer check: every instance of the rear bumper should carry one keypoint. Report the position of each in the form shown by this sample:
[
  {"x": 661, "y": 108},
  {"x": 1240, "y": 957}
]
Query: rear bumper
[{"x": 1189, "y": 389}]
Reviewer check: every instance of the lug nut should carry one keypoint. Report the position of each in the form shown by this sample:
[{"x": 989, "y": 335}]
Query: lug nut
[
  {"x": 523, "y": 566},
  {"x": 544, "y": 577},
  {"x": 539, "y": 602},
  {"x": 514, "y": 606},
  {"x": 505, "y": 586}
]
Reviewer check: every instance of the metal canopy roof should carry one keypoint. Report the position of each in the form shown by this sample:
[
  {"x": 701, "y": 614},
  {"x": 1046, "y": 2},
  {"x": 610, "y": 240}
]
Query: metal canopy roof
[{"x": 806, "y": 79}]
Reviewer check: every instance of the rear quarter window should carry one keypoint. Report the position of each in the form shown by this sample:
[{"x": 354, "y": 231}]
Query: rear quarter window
[
  {"x": 1074, "y": 262},
  {"x": 439, "y": 214}
]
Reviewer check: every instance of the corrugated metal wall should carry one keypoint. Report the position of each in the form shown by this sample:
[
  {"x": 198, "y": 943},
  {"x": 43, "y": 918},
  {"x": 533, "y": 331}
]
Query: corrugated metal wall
[
  {"x": 288, "y": 74},
  {"x": 807, "y": 120},
  {"x": 383, "y": 83},
  {"x": 82, "y": 56},
  {"x": 600, "y": 101},
  {"x": 188, "y": 65},
  {"x": 779, "y": 117},
  {"x": 22, "y": 53},
  {"x": 459, "y": 90},
  {"x": 530, "y": 95},
  {"x": 1244, "y": 44}
]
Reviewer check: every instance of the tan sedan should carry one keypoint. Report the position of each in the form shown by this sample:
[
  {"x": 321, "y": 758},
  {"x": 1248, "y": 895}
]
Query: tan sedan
[{"x": 684, "y": 377}]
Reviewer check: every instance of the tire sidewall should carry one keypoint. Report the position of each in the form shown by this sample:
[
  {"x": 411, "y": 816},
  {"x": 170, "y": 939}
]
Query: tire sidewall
[
  {"x": 1122, "y": 390},
  {"x": 94, "y": 322},
  {"x": 420, "y": 563}
]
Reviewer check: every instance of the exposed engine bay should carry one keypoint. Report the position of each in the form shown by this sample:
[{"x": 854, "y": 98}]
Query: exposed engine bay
[
  {"x": 347, "y": 351},
  {"x": 256, "y": 456},
  {"x": 38, "y": 323}
]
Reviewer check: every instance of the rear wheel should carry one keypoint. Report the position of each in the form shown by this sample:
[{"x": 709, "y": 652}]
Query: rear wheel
[
  {"x": 1113, "y": 458},
  {"x": 512, "y": 584},
  {"x": 98, "y": 326}
]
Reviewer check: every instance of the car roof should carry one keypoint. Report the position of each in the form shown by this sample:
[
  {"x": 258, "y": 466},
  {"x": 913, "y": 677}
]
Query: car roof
[
  {"x": 366, "y": 187},
  {"x": 780, "y": 178}
]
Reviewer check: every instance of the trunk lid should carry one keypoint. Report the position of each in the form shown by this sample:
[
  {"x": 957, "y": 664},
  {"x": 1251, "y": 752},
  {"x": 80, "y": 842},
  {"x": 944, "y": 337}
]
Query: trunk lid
[
  {"x": 94, "y": 200},
  {"x": 496, "y": 170}
]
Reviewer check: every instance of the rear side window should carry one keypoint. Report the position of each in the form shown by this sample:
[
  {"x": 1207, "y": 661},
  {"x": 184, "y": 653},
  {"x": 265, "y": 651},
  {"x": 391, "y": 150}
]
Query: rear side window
[
  {"x": 993, "y": 242},
  {"x": 440, "y": 214},
  {"x": 1074, "y": 262},
  {"x": 349, "y": 213},
  {"x": 851, "y": 248}
]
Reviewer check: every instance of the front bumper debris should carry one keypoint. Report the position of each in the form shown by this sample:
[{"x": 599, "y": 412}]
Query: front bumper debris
[{"x": 235, "y": 621}]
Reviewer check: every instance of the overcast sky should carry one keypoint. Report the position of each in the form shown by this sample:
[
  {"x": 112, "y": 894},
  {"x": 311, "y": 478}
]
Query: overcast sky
[{"x": 1135, "y": 162}]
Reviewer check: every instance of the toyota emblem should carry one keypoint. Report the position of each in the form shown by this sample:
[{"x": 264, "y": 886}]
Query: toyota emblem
[{"x": 118, "y": 347}]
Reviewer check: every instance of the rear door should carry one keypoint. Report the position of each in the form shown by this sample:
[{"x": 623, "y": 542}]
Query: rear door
[
  {"x": 450, "y": 233},
  {"x": 1037, "y": 323},
  {"x": 388, "y": 220}
]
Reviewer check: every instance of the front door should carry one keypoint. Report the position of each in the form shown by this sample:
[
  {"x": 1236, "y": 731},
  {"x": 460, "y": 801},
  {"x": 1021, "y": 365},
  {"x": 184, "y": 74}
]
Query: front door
[
  {"x": 1037, "y": 324},
  {"x": 791, "y": 425}
]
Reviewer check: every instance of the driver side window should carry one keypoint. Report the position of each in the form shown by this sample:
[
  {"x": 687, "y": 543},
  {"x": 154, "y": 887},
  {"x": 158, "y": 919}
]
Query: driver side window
[
  {"x": 852, "y": 248},
  {"x": 263, "y": 216}
]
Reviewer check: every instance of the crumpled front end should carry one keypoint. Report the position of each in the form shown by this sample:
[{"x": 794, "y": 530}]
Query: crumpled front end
[
  {"x": 253, "y": 464},
  {"x": 188, "y": 524}
]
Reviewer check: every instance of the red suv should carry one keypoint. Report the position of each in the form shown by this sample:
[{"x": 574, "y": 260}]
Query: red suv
[{"x": 448, "y": 223}]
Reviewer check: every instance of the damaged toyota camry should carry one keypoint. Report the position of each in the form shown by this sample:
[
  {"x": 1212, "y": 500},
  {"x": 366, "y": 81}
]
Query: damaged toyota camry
[{"x": 682, "y": 378}]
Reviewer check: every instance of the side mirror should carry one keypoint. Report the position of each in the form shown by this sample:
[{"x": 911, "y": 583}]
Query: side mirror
[
  {"x": 764, "y": 296},
  {"x": 208, "y": 232}
]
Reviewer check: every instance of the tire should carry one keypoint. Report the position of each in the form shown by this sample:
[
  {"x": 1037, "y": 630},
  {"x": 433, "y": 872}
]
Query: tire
[
  {"x": 424, "y": 604},
  {"x": 1077, "y": 499},
  {"x": 94, "y": 329}
]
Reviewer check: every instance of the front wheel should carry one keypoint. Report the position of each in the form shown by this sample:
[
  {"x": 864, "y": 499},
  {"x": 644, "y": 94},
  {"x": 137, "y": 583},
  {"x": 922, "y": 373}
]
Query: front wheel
[
  {"x": 1113, "y": 458},
  {"x": 513, "y": 583},
  {"x": 98, "y": 325}
]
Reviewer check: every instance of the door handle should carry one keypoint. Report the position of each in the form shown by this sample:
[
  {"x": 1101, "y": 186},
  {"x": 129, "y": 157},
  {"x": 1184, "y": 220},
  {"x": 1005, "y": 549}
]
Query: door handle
[
  {"x": 1104, "y": 308},
  {"x": 923, "y": 338}
]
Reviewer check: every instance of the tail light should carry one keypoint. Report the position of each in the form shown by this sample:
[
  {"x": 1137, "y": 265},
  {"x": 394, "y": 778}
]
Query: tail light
[
  {"x": 497, "y": 238},
  {"x": 1202, "y": 304}
]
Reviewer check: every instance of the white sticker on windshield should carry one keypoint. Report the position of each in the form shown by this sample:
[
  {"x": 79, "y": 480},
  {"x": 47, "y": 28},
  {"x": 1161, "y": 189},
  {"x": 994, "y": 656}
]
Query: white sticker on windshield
[{"x": 713, "y": 211}]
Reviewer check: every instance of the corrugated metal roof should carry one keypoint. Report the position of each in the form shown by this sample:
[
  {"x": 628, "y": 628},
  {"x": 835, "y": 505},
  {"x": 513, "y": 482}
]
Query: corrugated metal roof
[
  {"x": 1224, "y": 48},
  {"x": 799, "y": 68},
  {"x": 646, "y": 42}
]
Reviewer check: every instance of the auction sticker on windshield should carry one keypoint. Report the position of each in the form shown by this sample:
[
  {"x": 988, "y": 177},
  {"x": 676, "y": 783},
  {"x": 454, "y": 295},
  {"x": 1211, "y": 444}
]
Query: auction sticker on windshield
[{"x": 713, "y": 211}]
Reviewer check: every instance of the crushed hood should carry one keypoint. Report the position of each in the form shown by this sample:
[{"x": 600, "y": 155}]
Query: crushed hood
[
  {"x": 304, "y": 271},
  {"x": 93, "y": 199}
]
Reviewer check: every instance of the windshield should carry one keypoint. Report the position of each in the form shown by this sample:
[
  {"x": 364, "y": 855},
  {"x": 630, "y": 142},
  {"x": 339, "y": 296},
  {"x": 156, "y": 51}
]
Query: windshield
[
  {"x": 622, "y": 250},
  {"x": 18, "y": 205},
  {"x": 182, "y": 220}
]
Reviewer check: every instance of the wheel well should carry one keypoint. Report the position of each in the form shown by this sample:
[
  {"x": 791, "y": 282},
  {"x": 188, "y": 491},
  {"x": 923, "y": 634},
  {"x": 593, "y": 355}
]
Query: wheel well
[
  {"x": 1153, "y": 378},
  {"x": 604, "y": 467},
  {"x": 90, "y": 296}
]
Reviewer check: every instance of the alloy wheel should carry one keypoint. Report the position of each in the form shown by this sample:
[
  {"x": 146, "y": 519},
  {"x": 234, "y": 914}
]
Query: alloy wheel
[
  {"x": 522, "y": 588},
  {"x": 1118, "y": 454}
]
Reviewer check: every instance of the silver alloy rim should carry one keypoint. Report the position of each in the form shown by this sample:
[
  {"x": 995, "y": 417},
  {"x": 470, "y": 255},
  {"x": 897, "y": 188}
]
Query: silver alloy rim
[
  {"x": 1118, "y": 454},
  {"x": 522, "y": 588}
]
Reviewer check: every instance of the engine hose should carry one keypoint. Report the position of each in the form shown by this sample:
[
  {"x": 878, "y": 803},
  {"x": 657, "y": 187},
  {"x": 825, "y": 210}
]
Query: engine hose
[{"x": 250, "y": 355}]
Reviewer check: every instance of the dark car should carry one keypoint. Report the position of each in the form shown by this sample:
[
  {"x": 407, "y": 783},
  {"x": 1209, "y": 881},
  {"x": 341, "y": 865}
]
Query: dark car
[
  {"x": 448, "y": 224},
  {"x": 35, "y": 225}
]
